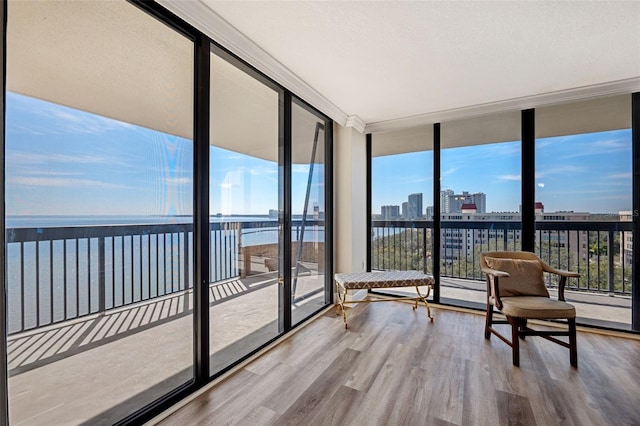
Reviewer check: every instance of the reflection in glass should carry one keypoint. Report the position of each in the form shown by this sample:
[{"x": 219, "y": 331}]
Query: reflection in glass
[
  {"x": 308, "y": 201},
  {"x": 244, "y": 207},
  {"x": 98, "y": 211}
]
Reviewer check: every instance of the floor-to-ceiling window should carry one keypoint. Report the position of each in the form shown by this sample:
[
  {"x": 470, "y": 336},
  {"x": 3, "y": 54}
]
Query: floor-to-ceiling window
[
  {"x": 99, "y": 171},
  {"x": 479, "y": 199},
  {"x": 244, "y": 188},
  {"x": 402, "y": 201},
  {"x": 583, "y": 182}
]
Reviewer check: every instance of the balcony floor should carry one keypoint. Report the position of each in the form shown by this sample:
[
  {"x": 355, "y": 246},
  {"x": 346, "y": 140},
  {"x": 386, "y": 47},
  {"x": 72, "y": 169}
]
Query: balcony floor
[{"x": 100, "y": 368}]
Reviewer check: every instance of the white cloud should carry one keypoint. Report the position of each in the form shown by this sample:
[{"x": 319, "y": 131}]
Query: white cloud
[
  {"x": 621, "y": 176},
  {"x": 58, "y": 182},
  {"x": 510, "y": 177},
  {"x": 449, "y": 171},
  {"x": 560, "y": 170},
  {"x": 419, "y": 180},
  {"x": 22, "y": 157},
  {"x": 51, "y": 118},
  {"x": 599, "y": 147},
  {"x": 179, "y": 180}
]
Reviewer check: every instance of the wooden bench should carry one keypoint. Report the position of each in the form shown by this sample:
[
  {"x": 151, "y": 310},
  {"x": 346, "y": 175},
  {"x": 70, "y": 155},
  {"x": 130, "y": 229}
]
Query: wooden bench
[{"x": 384, "y": 279}]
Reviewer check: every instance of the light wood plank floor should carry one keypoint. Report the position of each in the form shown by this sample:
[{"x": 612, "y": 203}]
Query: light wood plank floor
[{"x": 393, "y": 367}]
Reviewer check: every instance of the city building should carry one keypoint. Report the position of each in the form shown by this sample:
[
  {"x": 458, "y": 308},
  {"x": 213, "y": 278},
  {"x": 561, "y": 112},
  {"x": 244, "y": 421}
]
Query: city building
[
  {"x": 445, "y": 206},
  {"x": 405, "y": 210},
  {"x": 428, "y": 213},
  {"x": 458, "y": 241},
  {"x": 626, "y": 242},
  {"x": 452, "y": 203},
  {"x": 414, "y": 206},
  {"x": 390, "y": 212}
]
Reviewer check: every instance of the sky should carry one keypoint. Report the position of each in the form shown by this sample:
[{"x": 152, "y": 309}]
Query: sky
[
  {"x": 582, "y": 173},
  {"x": 62, "y": 161}
]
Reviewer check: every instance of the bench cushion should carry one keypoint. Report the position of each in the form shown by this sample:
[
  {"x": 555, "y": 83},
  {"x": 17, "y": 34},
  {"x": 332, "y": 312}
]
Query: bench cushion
[{"x": 383, "y": 279}]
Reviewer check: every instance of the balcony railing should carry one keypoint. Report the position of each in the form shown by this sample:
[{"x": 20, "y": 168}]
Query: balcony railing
[
  {"x": 599, "y": 251},
  {"x": 56, "y": 274}
]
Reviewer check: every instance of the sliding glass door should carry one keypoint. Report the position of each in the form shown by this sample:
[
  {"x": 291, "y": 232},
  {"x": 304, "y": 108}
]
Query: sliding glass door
[
  {"x": 245, "y": 218},
  {"x": 268, "y": 203}
]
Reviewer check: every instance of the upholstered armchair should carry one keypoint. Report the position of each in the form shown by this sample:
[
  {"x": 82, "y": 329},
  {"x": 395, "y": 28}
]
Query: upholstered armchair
[{"x": 516, "y": 288}]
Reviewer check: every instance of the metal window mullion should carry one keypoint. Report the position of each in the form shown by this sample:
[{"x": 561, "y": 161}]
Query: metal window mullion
[
  {"x": 436, "y": 237},
  {"x": 201, "y": 238}
]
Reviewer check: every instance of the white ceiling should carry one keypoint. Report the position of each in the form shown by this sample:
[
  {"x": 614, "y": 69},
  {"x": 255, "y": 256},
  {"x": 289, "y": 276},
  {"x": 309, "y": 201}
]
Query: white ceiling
[{"x": 385, "y": 61}]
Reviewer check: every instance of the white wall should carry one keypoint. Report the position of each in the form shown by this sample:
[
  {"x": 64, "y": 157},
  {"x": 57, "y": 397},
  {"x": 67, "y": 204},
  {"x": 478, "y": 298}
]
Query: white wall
[{"x": 350, "y": 227}]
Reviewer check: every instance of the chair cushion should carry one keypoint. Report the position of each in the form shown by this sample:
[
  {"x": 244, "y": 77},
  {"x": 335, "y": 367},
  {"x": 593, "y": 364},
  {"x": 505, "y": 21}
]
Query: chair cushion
[
  {"x": 534, "y": 307},
  {"x": 525, "y": 277}
]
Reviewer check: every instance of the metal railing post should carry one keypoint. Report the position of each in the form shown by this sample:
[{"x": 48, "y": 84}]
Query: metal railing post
[
  {"x": 611, "y": 275},
  {"x": 185, "y": 247},
  {"x": 424, "y": 250},
  {"x": 101, "y": 276}
]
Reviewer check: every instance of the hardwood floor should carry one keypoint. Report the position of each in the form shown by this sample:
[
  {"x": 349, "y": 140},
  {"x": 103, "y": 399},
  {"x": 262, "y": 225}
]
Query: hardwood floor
[{"x": 393, "y": 367}]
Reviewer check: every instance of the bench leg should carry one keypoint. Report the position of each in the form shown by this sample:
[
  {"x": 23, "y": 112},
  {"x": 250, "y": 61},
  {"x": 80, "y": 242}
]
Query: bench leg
[
  {"x": 342, "y": 297},
  {"x": 424, "y": 299}
]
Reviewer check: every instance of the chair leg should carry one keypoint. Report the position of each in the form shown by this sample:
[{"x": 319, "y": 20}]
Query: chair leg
[
  {"x": 488, "y": 321},
  {"x": 573, "y": 347},
  {"x": 523, "y": 325},
  {"x": 515, "y": 340}
]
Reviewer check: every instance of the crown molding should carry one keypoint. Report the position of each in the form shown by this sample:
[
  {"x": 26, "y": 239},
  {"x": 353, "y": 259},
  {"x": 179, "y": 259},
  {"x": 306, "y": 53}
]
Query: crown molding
[
  {"x": 222, "y": 32},
  {"x": 355, "y": 122},
  {"x": 618, "y": 87}
]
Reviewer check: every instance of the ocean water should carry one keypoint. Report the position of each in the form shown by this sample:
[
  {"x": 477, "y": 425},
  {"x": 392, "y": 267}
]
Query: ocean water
[
  {"x": 32, "y": 221},
  {"x": 53, "y": 280}
]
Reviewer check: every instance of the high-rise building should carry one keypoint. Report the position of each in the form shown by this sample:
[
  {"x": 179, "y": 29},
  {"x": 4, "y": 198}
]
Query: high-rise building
[
  {"x": 414, "y": 208},
  {"x": 390, "y": 212},
  {"x": 428, "y": 213},
  {"x": 452, "y": 203},
  {"x": 405, "y": 210},
  {"x": 626, "y": 242},
  {"x": 444, "y": 200}
]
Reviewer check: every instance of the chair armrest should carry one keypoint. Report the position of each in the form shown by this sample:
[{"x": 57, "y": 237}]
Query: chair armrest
[
  {"x": 494, "y": 272},
  {"x": 562, "y": 273},
  {"x": 563, "y": 278},
  {"x": 493, "y": 286}
]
